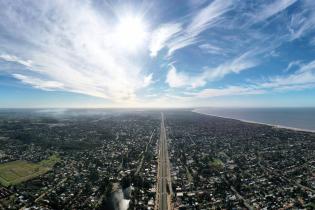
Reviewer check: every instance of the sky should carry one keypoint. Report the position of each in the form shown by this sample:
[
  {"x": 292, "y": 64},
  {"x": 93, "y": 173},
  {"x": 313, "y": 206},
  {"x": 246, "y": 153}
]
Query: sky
[{"x": 179, "y": 53}]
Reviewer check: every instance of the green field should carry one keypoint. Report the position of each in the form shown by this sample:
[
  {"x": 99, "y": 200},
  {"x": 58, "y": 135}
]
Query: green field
[
  {"x": 50, "y": 162},
  {"x": 15, "y": 172}
]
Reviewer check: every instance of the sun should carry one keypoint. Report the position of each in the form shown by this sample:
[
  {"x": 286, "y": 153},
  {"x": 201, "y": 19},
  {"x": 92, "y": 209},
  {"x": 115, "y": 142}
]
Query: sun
[{"x": 131, "y": 33}]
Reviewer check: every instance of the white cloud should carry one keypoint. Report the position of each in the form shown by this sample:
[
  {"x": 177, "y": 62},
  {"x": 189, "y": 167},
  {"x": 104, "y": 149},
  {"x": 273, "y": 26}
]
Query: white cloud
[
  {"x": 180, "y": 42},
  {"x": 302, "y": 79},
  {"x": 270, "y": 10},
  {"x": 148, "y": 80},
  {"x": 12, "y": 58},
  {"x": 176, "y": 79},
  {"x": 214, "y": 14},
  {"x": 307, "y": 67},
  {"x": 212, "y": 49},
  {"x": 73, "y": 44},
  {"x": 174, "y": 36},
  {"x": 161, "y": 35},
  {"x": 203, "y": 20},
  {"x": 39, "y": 83},
  {"x": 292, "y": 64},
  {"x": 208, "y": 16},
  {"x": 241, "y": 63},
  {"x": 74, "y": 47},
  {"x": 236, "y": 65},
  {"x": 302, "y": 22},
  {"x": 290, "y": 80}
]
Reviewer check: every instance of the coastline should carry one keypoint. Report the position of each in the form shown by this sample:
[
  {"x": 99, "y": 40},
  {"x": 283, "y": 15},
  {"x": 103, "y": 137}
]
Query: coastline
[{"x": 260, "y": 123}]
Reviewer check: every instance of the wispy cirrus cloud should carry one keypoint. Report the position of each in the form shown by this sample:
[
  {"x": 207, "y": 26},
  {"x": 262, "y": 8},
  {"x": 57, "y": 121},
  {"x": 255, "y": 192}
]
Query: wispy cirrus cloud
[
  {"x": 208, "y": 16},
  {"x": 214, "y": 14},
  {"x": 303, "y": 78},
  {"x": 12, "y": 58},
  {"x": 255, "y": 42},
  {"x": 77, "y": 47},
  {"x": 176, "y": 38},
  {"x": 292, "y": 64},
  {"x": 71, "y": 45},
  {"x": 269, "y": 10},
  {"x": 212, "y": 49},
  {"x": 235, "y": 66},
  {"x": 302, "y": 21},
  {"x": 162, "y": 35},
  {"x": 203, "y": 20},
  {"x": 39, "y": 83}
]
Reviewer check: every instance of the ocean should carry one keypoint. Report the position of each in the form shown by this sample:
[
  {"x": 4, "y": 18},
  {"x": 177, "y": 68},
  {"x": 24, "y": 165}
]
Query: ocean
[{"x": 298, "y": 118}]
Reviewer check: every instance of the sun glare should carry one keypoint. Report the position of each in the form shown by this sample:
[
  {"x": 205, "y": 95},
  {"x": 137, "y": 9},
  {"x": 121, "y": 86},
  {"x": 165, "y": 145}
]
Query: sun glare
[{"x": 130, "y": 33}]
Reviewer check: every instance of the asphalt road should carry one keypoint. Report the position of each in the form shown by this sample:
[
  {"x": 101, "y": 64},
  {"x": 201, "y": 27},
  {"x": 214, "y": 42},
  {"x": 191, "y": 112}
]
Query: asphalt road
[{"x": 163, "y": 167}]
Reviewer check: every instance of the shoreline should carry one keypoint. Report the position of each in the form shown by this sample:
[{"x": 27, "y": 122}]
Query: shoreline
[{"x": 260, "y": 123}]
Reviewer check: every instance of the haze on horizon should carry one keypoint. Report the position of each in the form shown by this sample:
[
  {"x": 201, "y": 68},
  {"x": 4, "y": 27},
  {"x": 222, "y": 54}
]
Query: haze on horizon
[{"x": 99, "y": 53}]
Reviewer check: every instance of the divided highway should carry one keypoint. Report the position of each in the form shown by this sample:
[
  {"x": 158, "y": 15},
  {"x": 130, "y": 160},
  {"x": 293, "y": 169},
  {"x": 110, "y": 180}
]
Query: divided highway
[{"x": 163, "y": 178}]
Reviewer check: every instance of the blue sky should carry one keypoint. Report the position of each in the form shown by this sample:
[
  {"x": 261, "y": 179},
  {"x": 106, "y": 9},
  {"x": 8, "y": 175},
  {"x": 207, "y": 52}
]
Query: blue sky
[{"x": 178, "y": 53}]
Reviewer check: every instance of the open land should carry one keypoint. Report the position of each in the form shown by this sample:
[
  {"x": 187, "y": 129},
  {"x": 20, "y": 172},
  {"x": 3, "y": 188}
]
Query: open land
[{"x": 15, "y": 172}]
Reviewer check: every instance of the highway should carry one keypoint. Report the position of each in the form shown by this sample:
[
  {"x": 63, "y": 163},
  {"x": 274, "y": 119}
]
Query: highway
[{"x": 163, "y": 178}]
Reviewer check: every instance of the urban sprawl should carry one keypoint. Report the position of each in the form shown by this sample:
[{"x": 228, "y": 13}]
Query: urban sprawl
[{"x": 151, "y": 159}]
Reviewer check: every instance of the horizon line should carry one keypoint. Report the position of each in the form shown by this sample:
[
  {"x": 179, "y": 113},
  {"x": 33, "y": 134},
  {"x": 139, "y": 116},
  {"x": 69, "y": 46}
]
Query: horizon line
[{"x": 162, "y": 107}]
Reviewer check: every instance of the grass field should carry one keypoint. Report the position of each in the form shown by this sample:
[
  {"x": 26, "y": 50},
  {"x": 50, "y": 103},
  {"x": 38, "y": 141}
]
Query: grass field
[
  {"x": 50, "y": 162},
  {"x": 15, "y": 172}
]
